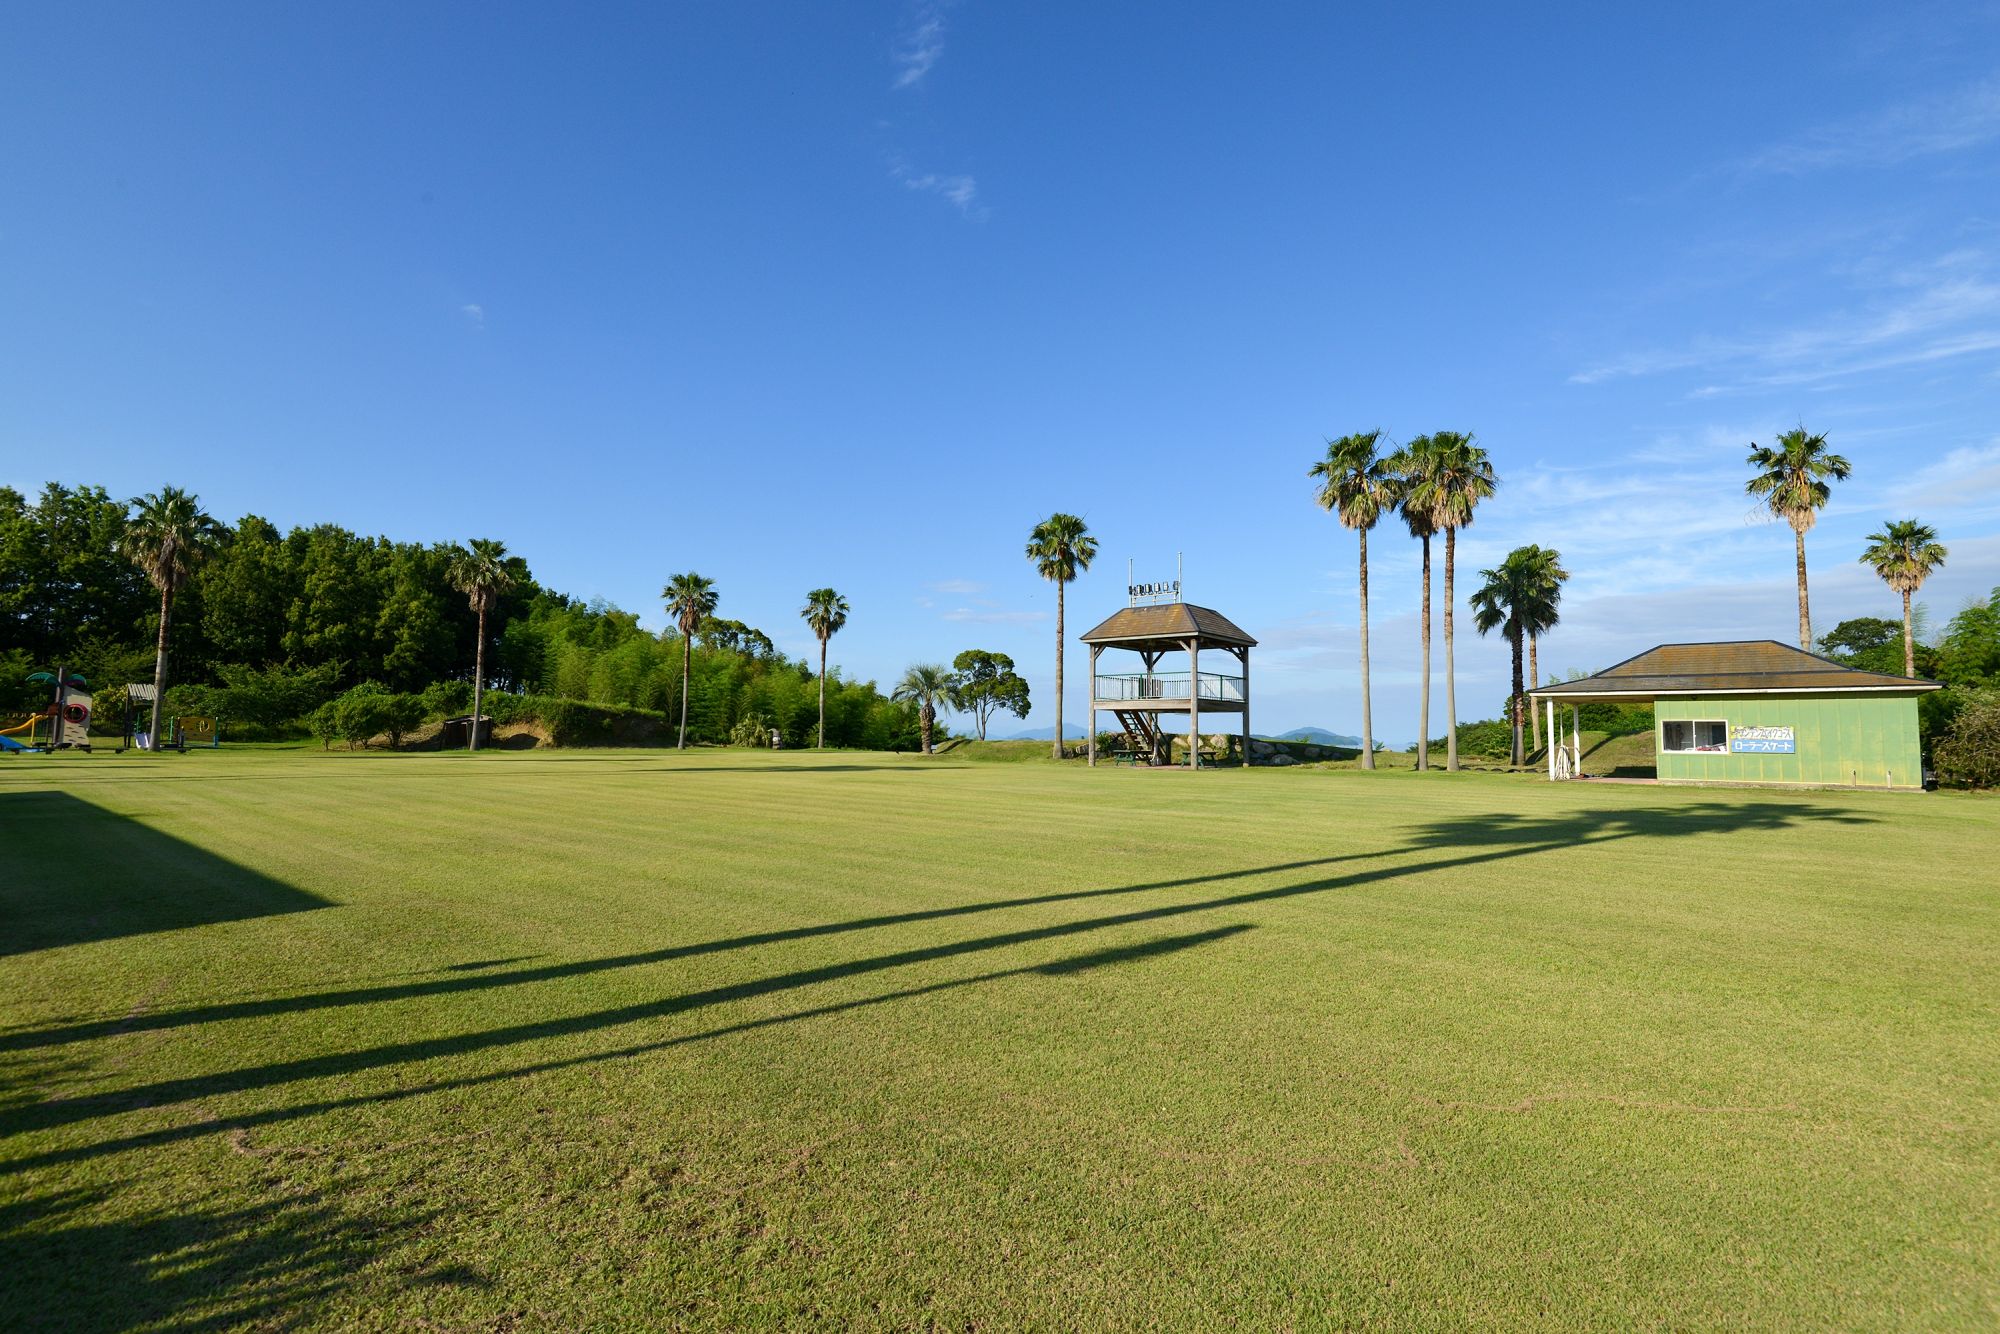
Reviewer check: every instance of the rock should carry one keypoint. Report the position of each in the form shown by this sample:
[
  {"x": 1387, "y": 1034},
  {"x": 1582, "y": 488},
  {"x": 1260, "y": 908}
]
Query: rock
[{"x": 1282, "y": 759}]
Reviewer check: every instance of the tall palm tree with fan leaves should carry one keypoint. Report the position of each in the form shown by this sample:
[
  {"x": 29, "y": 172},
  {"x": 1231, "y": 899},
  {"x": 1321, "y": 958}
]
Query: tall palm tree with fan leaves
[
  {"x": 167, "y": 537},
  {"x": 1410, "y": 465},
  {"x": 483, "y": 572},
  {"x": 1358, "y": 485},
  {"x": 1794, "y": 479},
  {"x": 1904, "y": 553},
  {"x": 825, "y": 612},
  {"x": 690, "y": 601},
  {"x": 1458, "y": 475},
  {"x": 1061, "y": 548}
]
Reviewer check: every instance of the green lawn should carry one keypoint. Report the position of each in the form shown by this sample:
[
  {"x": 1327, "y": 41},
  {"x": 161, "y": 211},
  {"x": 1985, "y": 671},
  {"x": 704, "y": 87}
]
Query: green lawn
[{"x": 560, "y": 1041}]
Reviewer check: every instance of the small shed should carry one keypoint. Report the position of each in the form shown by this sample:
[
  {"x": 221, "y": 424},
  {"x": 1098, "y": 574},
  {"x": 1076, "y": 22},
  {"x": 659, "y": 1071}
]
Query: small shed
[
  {"x": 1140, "y": 700},
  {"x": 1759, "y": 712}
]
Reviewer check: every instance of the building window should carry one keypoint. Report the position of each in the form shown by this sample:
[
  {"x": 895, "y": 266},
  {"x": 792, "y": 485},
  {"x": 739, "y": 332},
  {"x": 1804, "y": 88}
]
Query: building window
[{"x": 1696, "y": 738}]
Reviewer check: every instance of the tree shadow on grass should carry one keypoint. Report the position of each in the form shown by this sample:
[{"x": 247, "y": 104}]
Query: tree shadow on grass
[
  {"x": 1458, "y": 844},
  {"x": 470, "y": 977},
  {"x": 195, "y": 1269},
  {"x": 75, "y": 872}
]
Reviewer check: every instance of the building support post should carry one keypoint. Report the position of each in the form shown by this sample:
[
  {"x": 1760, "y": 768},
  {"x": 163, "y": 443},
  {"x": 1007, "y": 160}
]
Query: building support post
[
  {"x": 1194, "y": 704},
  {"x": 1244, "y": 653},
  {"x": 1576, "y": 740},
  {"x": 1094, "y": 650},
  {"x": 1552, "y": 741}
]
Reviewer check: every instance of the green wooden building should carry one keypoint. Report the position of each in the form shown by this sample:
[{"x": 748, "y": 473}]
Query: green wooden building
[{"x": 1755, "y": 712}]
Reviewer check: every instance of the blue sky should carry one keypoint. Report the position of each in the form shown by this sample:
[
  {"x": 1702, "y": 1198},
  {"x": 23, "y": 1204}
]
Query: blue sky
[{"x": 854, "y": 294}]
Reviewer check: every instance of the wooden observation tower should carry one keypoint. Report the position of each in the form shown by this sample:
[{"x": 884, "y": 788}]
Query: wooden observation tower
[{"x": 1154, "y": 625}]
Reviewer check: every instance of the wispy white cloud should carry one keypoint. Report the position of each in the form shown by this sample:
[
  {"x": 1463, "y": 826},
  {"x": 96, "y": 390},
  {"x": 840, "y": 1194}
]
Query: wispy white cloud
[
  {"x": 1947, "y": 123},
  {"x": 994, "y": 616},
  {"x": 1936, "y": 312},
  {"x": 960, "y": 190},
  {"x": 959, "y": 587},
  {"x": 1965, "y": 477},
  {"x": 475, "y": 315},
  {"x": 919, "y": 45}
]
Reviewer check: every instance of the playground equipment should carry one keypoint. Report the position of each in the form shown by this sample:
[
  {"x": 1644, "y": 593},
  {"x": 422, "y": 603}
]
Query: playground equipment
[
  {"x": 187, "y": 730},
  {"x": 63, "y": 725}
]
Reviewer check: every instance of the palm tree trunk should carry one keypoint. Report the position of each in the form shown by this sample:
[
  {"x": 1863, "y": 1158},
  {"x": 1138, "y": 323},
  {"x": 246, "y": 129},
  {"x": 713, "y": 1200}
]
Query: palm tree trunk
[
  {"x": 1424, "y": 697},
  {"x": 687, "y": 652},
  {"x": 1515, "y": 703},
  {"x": 926, "y": 716},
  {"x": 1450, "y": 678},
  {"x": 1367, "y": 713},
  {"x": 822, "y": 693},
  {"x": 1909, "y": 639},
  {"x": 1805, "y": 612},
  {"x": 160, "y": 667},
  {"x": 1058, "y": 748},
  {"x": 1534, "y": 683},
  {"x": 478, "y": 677}
]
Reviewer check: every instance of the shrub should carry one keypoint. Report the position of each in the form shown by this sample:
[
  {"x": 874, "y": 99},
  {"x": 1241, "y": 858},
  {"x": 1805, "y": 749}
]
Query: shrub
[
  {"x": 1969, "y": 754},
  {"x": 446, "y": 699},
  {"x": 751, "y": 730}
]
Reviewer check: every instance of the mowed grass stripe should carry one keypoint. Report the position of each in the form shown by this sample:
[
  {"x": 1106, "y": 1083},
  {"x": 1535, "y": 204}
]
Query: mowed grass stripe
[{"x": 727, "y": 1040}]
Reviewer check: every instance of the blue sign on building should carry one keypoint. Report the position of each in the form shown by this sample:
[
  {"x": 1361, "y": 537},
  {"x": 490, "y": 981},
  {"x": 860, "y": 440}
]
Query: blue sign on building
[{"x": 1762, "y": 741}]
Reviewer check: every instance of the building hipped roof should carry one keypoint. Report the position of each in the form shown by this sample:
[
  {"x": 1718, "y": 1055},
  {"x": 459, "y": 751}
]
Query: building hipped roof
[
  {"x": 1172, "y": 621},
  {"x": 1734, "y": 667}
]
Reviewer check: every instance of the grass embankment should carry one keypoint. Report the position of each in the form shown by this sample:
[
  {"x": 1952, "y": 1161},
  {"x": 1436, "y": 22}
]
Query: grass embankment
[{"x": 625, "y": 1039}]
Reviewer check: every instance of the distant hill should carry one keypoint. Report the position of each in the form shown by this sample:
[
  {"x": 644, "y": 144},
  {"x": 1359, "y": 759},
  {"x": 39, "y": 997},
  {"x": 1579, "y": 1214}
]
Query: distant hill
[
  {"x": 1319, "y": 736},
  {"x": 1071, "y": 732}
]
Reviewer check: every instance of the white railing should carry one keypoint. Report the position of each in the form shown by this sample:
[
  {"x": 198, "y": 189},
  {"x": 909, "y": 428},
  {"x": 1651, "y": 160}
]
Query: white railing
[{"x": 1167, "y": 686}]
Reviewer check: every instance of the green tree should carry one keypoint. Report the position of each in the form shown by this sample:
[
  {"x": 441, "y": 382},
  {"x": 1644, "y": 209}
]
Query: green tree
[
  {"x": 1061, "y": 548},
  {"x": 1792, "y": 479},
  {"x": 64, "y": 579},
  {"x": 1457, "y": 475},
  {"x": 1969, "y": 650},
  {"x": 1414, "y": 463},
  {"x": 690, "y": 601},
  {"x": 247, "y": 589},
  {"x": 168, "y": 537},
  {"x": 1904, "y": 553},
  {"x": 988, "y": 684},
  {"x": 825, "y": 612},
  {"x": 482, "y": 572},
  {"x": 1360, "y": 486},
  {"x": 929, "y": 686},
  {"x": 1519, "y": 598}
]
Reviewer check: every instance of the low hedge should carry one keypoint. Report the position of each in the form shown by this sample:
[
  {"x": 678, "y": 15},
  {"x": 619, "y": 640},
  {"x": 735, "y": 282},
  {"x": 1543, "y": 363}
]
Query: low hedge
[{"x": 571, "y": 722}]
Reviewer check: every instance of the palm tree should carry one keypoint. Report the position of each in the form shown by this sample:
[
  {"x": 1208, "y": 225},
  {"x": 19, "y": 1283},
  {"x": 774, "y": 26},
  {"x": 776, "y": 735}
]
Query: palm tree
[
  {"x": 482, "y": 573},
  {"x": 1519, "y": 596},
  {"x": 690, "y": 600},
  {"x": 1458, "y": 476},
  {"x": 168, "y": 536},
  {"x": 1556, "y": 576},
  {"x": 825, "y": 611},
  {"x": 929, "y": 686},
  {"x": 1410, "y": 464},
  {"x": 1358, "y": 484},
  {"x": 1792, "y": 481},
  {"x": 1904, "y": 553},
  {"x": 1061, "y": 548}
]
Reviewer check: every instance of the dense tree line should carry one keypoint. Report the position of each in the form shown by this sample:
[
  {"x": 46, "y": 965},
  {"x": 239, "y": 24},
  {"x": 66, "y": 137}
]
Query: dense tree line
[{"x": 272, "y": 625}]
